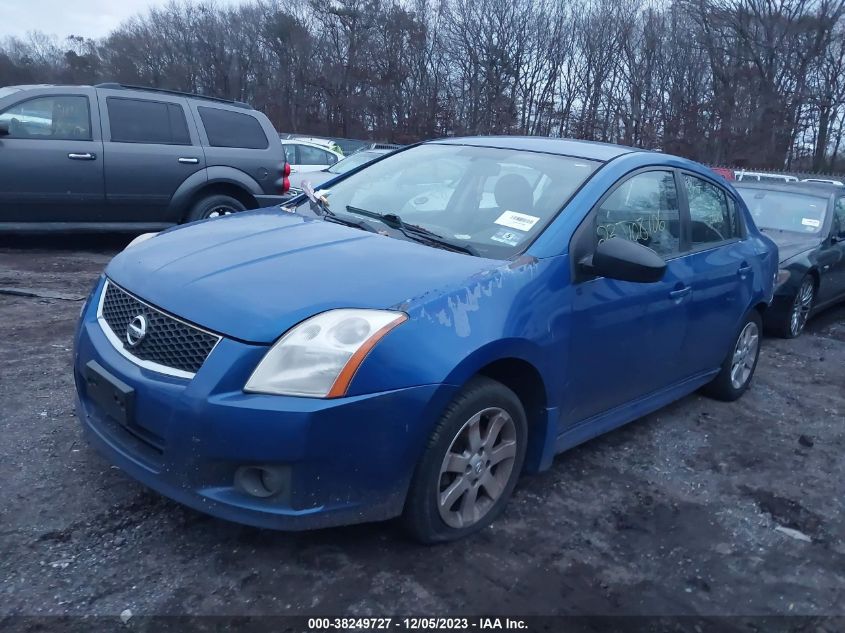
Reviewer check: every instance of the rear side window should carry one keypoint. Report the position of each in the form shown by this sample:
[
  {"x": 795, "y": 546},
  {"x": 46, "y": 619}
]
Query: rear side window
[
  {"x": 312, "y": 156},
  {"x": 712, "y": 212},
  {"x": 839, "y": 218},
  {"x": 50, "y": 118},
  {"x": 232, "y": 129},
  {"x": 142, "y": 121},
  {"x": 643, "y": 209}
]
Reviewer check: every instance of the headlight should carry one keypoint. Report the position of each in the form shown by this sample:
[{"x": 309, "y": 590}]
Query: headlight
[
  {"x": 143, "y": 237},
  {"x": 320, "y": 356},
  {"x": 781, "y": 278}
]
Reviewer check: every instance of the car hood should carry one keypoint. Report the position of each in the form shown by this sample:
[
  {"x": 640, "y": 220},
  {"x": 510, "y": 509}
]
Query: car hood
[
  {"x": 253, "y": 275},
  {"x": 791, "y": 244}
]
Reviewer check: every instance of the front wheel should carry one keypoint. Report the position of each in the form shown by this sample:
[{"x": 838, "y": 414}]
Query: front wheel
[
  {"x": 738, "y": 368},
  {"x": 470, "y": 466}
]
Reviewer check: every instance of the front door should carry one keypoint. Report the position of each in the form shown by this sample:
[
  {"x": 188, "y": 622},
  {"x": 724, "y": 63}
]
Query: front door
[
  {"x": 626, "y": 338},
  {"x": 51, "y": 161}
]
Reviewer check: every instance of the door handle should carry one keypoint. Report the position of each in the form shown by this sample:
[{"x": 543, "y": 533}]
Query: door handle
[
  {"x": 188, "y": 161},
  {"x": 744, "y": 269},
  {"x": 85, "y": 156},
  {"x": 680, "y": 293}
]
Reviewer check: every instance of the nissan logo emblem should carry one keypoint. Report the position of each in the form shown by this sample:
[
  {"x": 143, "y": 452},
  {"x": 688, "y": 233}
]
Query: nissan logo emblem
[{"x": 136, "y": 330}]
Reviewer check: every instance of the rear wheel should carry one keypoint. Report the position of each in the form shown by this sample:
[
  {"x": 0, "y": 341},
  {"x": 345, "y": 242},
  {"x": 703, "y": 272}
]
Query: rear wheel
[
  {"x": 790, "y": 323},
  {"x": 214, "y": 206},
  {"x": 471, "y": 464},
  {"x": 738, "y": 368}
]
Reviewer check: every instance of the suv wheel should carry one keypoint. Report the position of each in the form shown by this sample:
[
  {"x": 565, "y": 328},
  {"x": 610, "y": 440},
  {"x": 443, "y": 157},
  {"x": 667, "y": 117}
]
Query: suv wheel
[
  {"x": 470, "y": 466},
  {"x": 214, "y": 206}
]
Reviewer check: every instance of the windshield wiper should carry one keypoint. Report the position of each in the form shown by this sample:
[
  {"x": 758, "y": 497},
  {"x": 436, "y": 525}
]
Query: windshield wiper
[
  {"x": 330, "y": 216},
  {"x": 413, "y": 231}
]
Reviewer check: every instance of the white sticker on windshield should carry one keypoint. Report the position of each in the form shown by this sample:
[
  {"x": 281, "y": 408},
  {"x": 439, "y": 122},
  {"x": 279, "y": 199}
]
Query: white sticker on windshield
[
  {"x": 514, "y": 220},
  {"x": 811, "y": 222}
]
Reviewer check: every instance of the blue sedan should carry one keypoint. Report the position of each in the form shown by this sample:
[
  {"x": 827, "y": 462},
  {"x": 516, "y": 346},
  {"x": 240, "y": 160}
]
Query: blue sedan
[{"x": 413, "y": 337}]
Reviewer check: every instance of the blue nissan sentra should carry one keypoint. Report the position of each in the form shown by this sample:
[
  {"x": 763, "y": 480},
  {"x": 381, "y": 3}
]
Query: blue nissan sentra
[{"x": 409, "y": 339}]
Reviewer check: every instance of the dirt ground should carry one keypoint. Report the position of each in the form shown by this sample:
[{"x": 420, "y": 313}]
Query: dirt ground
[{"x": 681, "y": 512}]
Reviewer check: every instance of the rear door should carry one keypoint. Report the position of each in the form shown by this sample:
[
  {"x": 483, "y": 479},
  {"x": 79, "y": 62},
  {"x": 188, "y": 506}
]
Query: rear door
[
  {"x": 720, "y": 262},
  {"x": 51, "y": 162},
  {"x": 150, "y": 147}
]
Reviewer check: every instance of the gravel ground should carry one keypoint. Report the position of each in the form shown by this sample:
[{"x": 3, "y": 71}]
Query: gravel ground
[{"x": 701, "y": 508}]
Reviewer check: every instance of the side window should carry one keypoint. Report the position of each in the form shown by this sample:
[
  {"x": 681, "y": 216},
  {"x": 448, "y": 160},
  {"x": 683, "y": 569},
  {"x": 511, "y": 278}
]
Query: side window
[
  {"x": 50, "y": 118},
  {"x": 142, "y": 121},
  {"x": 713, "y": 219},
  {"x": 839, "y": 217},
  {"x": 290, "y": 153},
  {"x": 643, "y": 209},
  {"x": 312, "y": 156},
  {"x": 232, "y": 129}
]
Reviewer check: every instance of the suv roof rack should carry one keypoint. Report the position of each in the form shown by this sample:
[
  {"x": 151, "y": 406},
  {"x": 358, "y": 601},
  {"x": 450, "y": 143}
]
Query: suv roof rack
[{"x": 190, "y": 95}]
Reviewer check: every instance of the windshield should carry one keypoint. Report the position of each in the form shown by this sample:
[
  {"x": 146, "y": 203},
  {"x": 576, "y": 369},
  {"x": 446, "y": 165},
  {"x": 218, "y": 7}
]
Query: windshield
[
  {"x": 785, "y": 211},
  {"x": 491, "y": 201},
  {"x": 350, "y": 163}
]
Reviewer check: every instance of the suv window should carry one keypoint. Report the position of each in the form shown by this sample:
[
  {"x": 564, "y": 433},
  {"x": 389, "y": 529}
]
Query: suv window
[
  {"x": 50, "y": 118},
  {"x": 143, "y": 121},
  {"x": 712, "y": 212},
  {"x": 643, "y": 209},
  {"x": 232, "y": 129},
  {"x": 313, "y": 156}
]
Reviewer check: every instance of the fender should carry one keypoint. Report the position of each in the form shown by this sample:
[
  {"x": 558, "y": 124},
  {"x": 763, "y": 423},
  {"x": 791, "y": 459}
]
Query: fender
[{"x": 210, "y": 175}]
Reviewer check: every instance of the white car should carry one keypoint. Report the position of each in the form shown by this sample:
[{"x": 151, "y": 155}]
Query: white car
[
  {"x": 754, "y": 176},
  {"x": 305, "y": 156},
  {"x": 824, "y": 181}
]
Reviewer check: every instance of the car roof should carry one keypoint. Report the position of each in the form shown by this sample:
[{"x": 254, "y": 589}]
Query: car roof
[
  {"x": 298, "y": 141},
  {"x": 820, "y": 189},
  {"x": 591, "y": 150}
]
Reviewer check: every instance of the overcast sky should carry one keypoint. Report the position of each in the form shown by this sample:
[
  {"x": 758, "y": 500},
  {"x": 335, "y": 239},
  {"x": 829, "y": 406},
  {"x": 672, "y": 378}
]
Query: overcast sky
[{"x": 89, "y": 18}]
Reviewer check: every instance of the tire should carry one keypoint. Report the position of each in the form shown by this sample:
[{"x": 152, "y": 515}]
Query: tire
[
  {"x": 214, "y": 206},
  {"x": 789, "y": 321},
  {"x": 738, "y": 368},
  {"x": 483, "y": 404}
]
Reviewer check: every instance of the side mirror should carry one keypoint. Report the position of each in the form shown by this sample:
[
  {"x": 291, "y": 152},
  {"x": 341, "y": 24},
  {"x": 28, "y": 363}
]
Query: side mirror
[
  {"x": 621, "y": 259},
  {"x": 4, "y": 128}
]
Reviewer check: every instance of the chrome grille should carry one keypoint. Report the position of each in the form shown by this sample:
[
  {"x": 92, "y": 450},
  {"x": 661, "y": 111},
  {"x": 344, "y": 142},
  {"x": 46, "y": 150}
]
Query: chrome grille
[{"x": 170, "y": 345}]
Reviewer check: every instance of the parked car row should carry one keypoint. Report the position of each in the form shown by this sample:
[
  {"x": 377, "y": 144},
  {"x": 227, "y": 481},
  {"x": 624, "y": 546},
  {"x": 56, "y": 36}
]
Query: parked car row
[{"x": 411, "y": 329}]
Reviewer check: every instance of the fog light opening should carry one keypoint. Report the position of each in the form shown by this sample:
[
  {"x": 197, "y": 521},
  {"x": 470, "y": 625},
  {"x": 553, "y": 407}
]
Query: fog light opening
[{"x": 260, "y": 481}]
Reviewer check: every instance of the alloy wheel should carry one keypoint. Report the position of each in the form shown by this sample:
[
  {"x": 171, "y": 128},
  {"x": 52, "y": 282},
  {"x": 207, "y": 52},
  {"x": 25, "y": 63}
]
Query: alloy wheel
[
  {"x": 477, "y": 467},
  {"x": 745, "y": 355},
  {"x": 801, "y": 307}
]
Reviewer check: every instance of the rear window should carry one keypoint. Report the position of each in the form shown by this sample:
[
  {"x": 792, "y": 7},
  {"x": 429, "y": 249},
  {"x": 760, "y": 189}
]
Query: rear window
[
  {"x": 142, "y": 121},
  {"x": 232, "y": 129}
]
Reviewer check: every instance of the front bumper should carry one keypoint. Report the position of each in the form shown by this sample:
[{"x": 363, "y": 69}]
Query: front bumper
[{"x": 346, "y": 460}]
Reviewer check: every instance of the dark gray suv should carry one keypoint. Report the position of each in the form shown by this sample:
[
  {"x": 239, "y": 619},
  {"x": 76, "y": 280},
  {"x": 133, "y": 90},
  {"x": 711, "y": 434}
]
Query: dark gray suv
[{"x": 120, "y": 157}]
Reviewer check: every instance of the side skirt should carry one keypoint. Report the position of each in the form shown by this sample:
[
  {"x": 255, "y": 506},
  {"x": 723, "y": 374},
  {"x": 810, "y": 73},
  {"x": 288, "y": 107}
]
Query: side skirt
[{"x": 628, "y": 412}]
